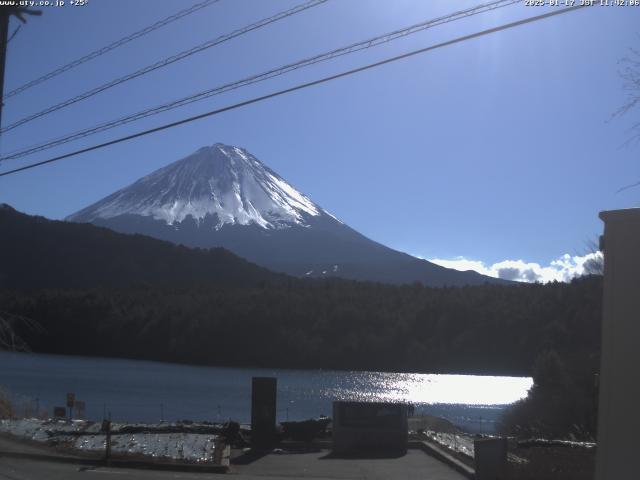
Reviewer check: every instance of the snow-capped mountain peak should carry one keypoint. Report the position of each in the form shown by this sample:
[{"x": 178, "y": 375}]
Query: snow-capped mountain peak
[
  {"x": 221, "y": 180},
  {"x": 222, "y": 196}
]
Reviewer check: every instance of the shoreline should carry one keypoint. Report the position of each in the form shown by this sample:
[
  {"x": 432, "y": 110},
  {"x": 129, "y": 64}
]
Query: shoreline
[{"x": 271, "y": 368}]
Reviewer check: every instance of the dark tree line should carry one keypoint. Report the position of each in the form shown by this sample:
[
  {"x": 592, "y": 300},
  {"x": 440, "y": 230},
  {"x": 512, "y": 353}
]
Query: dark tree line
[{"x": 323, "y": 324}]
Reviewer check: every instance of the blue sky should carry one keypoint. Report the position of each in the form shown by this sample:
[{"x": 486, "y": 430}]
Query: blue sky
[{"x": 495, "y": 150}]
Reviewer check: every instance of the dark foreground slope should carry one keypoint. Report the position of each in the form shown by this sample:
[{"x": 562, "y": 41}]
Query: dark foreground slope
[{"x": 39, "y": 253}]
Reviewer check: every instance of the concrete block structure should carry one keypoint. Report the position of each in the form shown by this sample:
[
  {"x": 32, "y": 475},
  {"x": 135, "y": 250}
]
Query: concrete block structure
[
  {"x": 619, "y": 398},
  {"x": 370, "y": 427},
  {"x": 490, "y": 455}
]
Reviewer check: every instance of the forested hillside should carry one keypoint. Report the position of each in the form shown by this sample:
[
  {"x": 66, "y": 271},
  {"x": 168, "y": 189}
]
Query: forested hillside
[
  {"x": 39, "y": 253},
  {"x": 327, "y": 324}
]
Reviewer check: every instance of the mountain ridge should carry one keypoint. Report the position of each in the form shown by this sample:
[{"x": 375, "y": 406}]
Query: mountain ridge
[
  {"x": 40, "y": 253},
  {"x": 222, "y": 196}
]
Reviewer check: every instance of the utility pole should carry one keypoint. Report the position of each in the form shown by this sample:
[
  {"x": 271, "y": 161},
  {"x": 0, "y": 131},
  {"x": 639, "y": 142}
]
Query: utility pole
[{"x": 5, "y": 15}]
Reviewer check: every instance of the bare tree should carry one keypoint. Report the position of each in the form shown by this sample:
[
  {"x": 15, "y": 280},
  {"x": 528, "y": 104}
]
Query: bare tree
[
  {"x": 6, "y": 406},
  {"x": 9, "y": 339},
  {"x": 630, "y": 74},
  {"x": 594, "y": 265}
]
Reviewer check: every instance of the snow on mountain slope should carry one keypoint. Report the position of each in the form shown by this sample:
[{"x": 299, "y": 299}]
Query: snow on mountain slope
[{"x": 219, "y": 180}]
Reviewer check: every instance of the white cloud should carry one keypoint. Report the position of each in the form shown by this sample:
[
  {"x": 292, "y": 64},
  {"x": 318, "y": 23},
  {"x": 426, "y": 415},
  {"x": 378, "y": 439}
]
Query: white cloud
[{"x": 562, "y": 269}]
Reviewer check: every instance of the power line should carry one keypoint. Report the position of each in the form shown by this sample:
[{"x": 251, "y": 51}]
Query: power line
[
  {"x": 112, "y": 46},
  {"x": 301, "y": 86},
  {"x": 166, "y": 61},
  {"x": 355, "y": 47}
]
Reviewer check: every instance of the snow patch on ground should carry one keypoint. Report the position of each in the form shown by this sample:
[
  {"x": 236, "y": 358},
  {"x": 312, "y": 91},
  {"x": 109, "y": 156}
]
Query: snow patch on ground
[
  {"x": 453, "y": 441},
  {"x": 176, "y": 446},
  {"x": 85, "y": 436}
]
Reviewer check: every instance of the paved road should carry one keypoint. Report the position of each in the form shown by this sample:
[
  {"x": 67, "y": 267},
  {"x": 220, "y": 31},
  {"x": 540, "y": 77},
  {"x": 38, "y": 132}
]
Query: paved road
[
  {"x": 7, "y": 444},
  {"x": 414, "y": 465},
  {"x": 21, "y": 469},
  {"x": 318, "y": 465}
]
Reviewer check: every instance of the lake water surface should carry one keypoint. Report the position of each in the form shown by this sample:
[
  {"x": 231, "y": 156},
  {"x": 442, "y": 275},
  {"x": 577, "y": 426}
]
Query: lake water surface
[{"x": 133, "y": 390}]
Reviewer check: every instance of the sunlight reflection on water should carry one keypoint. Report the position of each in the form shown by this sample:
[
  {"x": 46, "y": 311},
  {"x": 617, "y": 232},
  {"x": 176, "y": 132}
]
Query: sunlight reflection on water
[{"x": 429, "y": 388}]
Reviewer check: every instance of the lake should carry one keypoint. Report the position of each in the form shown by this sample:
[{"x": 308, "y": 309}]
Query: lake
[{"x": 143, "y": 391}]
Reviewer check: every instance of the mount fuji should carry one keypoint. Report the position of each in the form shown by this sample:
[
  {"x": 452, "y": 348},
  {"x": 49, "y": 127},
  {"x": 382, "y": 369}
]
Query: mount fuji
[{"x": 222, "y": 195}]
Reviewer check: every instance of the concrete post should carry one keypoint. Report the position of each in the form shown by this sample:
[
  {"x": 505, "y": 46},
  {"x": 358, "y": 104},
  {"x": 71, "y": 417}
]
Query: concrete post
[{"x": 263, "y": 411}]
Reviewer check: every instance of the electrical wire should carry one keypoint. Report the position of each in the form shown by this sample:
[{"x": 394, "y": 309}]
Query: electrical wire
[
  {"x": 112, "y": 46},
  {"x": 352, "y": 48},
  {"x": 165, "y": 62},
  {"x": 301, "y": 86}
]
